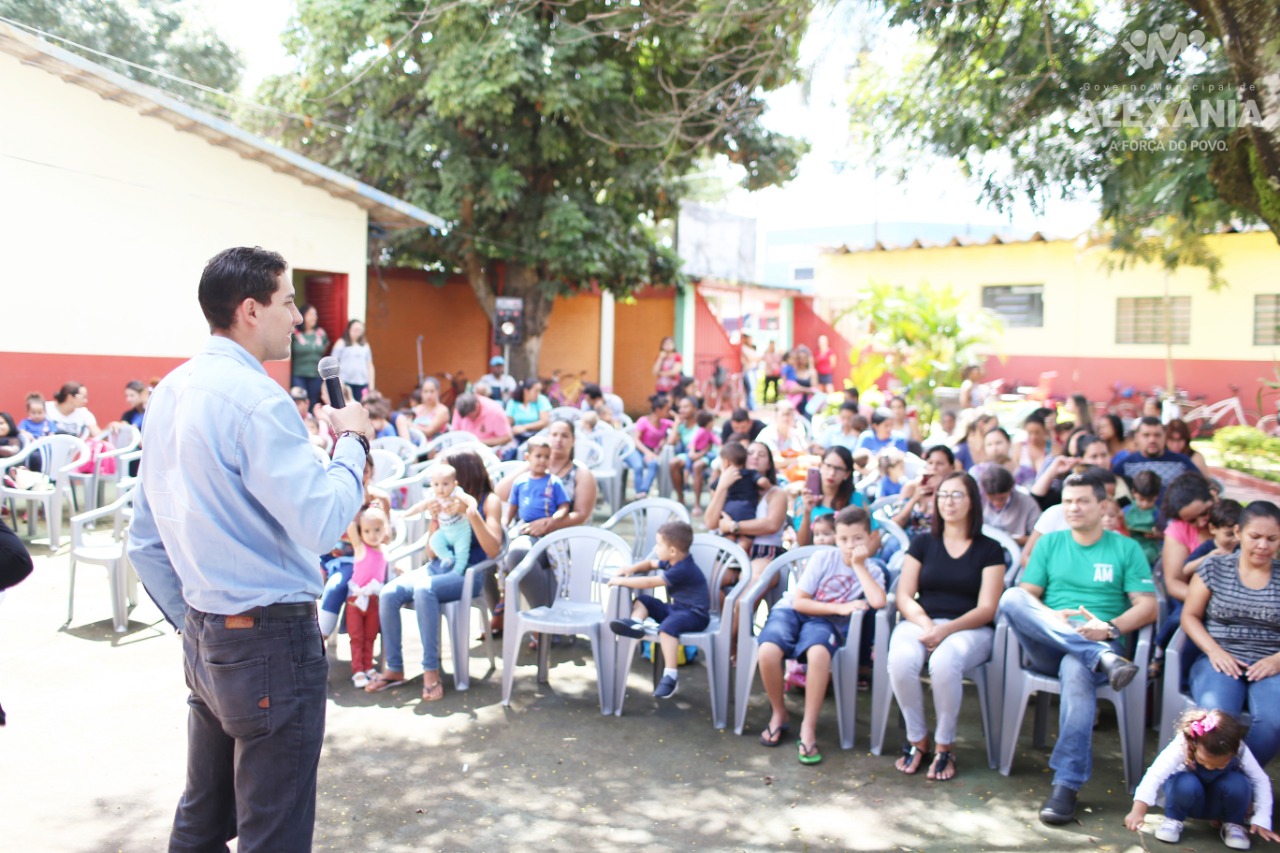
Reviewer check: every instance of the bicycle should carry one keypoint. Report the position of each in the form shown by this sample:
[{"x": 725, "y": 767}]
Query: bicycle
[
  {"x": 1122, "y": 402},
  {"x": 1204, "y": 420}
]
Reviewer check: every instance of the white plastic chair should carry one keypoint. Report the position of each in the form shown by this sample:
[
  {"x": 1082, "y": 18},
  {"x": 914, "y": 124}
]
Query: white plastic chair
[
  {"x": 459, "y": 628},
  {"x": 583, "y": 559},
  {"x": 1020, "y": 683},
  {"x": 664, "y": 482},
  {"x": 418, "y": 438},
  {"x": 714, "y": 555},
  {"x": 111, "y": 553},
  {"x": 60, "y": 455},
  {"x": 609, "y": 470},
  {"x": 988, "y": 677},
  {"x": 386, "y": 466},
  {"x": 121, "y": 441},
  {"x": 505, "y": 469},
  {"x": 444, "y": 442},
  {"x": 844, "y": 663},
  {"x": 566, "y": 413},
  {"x": 1012, "y": 552},
  {"x": 413, "y": 484},
  {"x": 1172, "y": 700},
  {"x": 406, "y": 450},
  {"x": 645, "y": 517}
]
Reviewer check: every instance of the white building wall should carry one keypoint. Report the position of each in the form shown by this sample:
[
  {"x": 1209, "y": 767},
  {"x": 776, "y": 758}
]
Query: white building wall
[{"x": 109, "y": 216}]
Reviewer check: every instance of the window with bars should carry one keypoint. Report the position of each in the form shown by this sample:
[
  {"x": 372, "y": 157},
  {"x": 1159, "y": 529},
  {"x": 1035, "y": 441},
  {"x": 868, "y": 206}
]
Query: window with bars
[
  {"x": 1266, "y": 319},
  {"x": 1141, "y": 320},
  {"x": 1016, "y": 304}
]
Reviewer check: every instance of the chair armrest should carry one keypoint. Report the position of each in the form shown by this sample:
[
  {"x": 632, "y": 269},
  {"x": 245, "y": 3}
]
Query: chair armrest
[
  {"x": 18, "y": 458},
  {"x": 408, "y": 549},
  {"x": 748, "y": 599},
  {"x": 512, "y": 589}
]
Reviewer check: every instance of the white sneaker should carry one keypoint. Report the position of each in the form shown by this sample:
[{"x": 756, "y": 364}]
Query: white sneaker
[
  {"x": 371, "y": 673},
  {"x": 1170, "y": 830},
  {"x": 1235, "y": 836},
  {"x": 360, "y": 679}
]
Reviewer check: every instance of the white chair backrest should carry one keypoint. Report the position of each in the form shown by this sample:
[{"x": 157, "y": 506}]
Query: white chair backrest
[
  {"x": 399, "y": 446},
  {"x": 125, "y": 437},
  {"x": 580, "y": 557},
  {"x": 505, "y": 469},
  {"x": 790, "y": 565},
  {"x": 386, "y": 466},
  {"x": 716, "y": 555},
  {"x": 589, "y": 453},
  {"x": 645, "y": 517},
  {"x": 566, "y": 413},
  {"x": 1011, "y": 549},
  {"x": 418, "y": 437},
  {"x": 58, "y": 452},
  {"x": 443, "y": 442}
]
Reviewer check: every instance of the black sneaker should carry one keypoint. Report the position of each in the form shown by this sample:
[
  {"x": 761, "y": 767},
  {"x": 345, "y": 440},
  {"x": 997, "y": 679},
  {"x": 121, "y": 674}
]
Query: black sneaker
[
  {"x": 1060, "y": 808},
  {"x": 628, "y": 628},
  {"x": 666, "y": 688},
  {"x": 1118, "y": 670}
]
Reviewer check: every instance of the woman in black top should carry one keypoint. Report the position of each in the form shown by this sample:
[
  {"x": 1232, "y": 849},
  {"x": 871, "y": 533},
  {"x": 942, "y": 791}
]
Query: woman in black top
[{"x": 951, "y": 582}]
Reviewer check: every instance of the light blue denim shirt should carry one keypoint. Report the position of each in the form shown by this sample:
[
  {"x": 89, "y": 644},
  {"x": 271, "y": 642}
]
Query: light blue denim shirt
[{"x": 233, "y": 508}]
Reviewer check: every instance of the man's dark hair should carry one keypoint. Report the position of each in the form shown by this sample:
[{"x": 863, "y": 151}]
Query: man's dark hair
[
  {"x": 851, "y": 394},
  {"x": 1149, "y": 420},
  {"x": 1147, "y": 484},
  {"x": 849, "y": 407},
  {"x": 1094, "y": 473},
  {"x": 734, "y": 454},
  {"x": 234, "y": 275},
  {"x": 879, "y": 416},
  {"x": 1092, "y": 483},
  {"x": 740, "y": 414},
  {"x": 678, "y": 535},
  {"x": 592, "y": 391},
  {"x": 995, "y": 480},
  {"x": 1225, "y": 513},
  {"x": 135, "y": 385},
  {"x": 1037, "y": 417}
]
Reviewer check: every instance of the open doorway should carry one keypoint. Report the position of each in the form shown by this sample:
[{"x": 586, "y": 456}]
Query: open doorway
[{"x": 327, "y": 291}]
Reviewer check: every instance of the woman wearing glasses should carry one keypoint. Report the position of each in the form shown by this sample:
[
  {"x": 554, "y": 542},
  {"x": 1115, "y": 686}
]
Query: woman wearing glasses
[
  {"x": 947, "y": 596},
  {"x": 837, "y": 493}
]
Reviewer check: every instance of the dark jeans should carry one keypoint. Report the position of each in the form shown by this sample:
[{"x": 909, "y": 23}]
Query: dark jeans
[
  {"x": 254, "y": 732},
  {"x": 312, "y": 385},
  {"x": 1209, "y": 794}
]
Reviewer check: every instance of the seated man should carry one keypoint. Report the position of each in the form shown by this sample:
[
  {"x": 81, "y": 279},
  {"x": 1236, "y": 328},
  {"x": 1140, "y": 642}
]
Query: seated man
[
  {"x": 1084, "y": 589},
  {"x": 606, "y": 406},
  {"x": 741, "y": 422},
  {"x": 1004, "y": 507},
  {"x": 1151, "y": 455},
  {"x": 483, "y": 418},
  {"x": 499, "y": 384},
  {"x": 845, "y": 433}
]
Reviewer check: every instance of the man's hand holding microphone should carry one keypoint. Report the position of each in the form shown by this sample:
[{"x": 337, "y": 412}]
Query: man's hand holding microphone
[{"x": 342, "y": 418}]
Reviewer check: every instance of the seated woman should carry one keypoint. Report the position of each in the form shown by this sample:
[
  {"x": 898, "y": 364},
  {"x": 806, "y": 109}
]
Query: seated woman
[
  {"x": 428, "y": 413},
  {"x": 1185, "y": 513},
  {"x": 432, "y": 585},
  {"x": 650, "y": 433},
  {"x": 787, "y": 437},
  {"x": 837, "y": 492},
  {"x": 765, "y": 529},
  {"x": 1177, "y": 439},
  {"x": 538, "y": 587},
  {"x": 1232, "y": 614},
  {"x": 529, "y": 410},
  {"x": 1032, "y": 454},
  {"x": 915, "y": 515},
  {"x": 800, "y": 379},
  {"x": 947, "y": 594}
]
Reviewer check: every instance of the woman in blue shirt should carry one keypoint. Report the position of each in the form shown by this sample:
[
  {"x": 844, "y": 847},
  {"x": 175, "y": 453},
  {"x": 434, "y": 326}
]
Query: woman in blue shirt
[{"x": 529, "y": 410}]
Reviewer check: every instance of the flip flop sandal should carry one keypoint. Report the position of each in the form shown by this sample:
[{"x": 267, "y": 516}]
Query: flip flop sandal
[
  {"x": 380, "y": 682},
  {"x": 809, "y": 754},
  {"x": 909, "y": 752},
  {"x": 940, "y": 763},
  {"x": 433, "y": 692},
  {"x": 773, "y": 737}
]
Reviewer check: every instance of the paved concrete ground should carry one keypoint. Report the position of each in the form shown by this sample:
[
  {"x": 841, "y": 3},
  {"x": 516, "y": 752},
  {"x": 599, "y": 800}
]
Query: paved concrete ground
[{"x": 94, "y": 755}]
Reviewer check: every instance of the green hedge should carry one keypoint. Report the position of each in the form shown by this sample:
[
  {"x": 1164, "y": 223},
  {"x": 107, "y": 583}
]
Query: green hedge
[{"x": 1249, "y": 449}]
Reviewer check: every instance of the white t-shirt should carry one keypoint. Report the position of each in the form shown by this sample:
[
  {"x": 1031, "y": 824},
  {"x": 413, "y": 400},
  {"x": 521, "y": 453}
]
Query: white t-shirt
[
  {"x": 78, "y": 423},
  {"x": 353, "y": 362},
  {"x": 1051, "y": 521}
]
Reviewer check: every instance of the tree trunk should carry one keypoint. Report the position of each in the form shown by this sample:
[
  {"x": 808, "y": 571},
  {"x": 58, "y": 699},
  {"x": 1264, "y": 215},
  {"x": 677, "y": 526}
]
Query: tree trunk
[
  {"x": 1250, "y": 31},
  {"x": 519, "y": 280}
]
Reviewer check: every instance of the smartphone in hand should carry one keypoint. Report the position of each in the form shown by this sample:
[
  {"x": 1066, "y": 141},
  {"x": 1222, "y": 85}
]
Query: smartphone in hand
[{"x": 813, "y": 482}]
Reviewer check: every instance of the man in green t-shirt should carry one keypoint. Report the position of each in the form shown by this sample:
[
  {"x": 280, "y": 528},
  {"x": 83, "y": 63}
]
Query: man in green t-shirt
[{"x": 1083, "y": 589}]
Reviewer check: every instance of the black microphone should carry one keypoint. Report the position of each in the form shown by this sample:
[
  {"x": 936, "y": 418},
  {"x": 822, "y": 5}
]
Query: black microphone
[{"x": 328, "y": 368}]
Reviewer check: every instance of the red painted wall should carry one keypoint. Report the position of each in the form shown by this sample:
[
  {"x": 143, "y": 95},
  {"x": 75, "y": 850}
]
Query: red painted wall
[
  {"x": 104, "y": 375},
  {"x": 807, "y": 326},
  {"x": 1094, "y": 377},
  {"x": 711, "y": 342}
]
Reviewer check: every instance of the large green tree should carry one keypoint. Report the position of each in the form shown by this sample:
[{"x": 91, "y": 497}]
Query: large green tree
[
  {"x": 150, "y": 34},
  {"x": 552, "y": 135},
  {"x": 1168, "y": 109}
]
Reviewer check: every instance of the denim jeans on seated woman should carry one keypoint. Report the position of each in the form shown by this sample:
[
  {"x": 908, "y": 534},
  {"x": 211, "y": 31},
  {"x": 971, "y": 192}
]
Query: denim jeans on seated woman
[
  {"x": 426, "y": 589},
  {"x": 643, "y": 472},
  {"x": 1212, "y": 689}
]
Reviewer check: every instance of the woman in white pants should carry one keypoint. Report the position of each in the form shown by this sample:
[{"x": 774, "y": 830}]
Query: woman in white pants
[{"x": 951, "y": 582}]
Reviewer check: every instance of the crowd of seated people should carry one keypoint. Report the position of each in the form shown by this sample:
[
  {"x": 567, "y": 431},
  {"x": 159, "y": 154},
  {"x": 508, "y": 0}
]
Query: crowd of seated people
[{"x": 1072, "y": 491}]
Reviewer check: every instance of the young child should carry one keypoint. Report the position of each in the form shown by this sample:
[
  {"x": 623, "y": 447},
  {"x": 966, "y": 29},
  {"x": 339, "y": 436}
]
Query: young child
[
  {"x": 823, "y": 529},
  {"x": 689, "y": 606},
  {"x": 380, "y": 418},
  {"x": 1140, "y": 517},
  {"x": 893, "y": 471},
  {"x": 1224, "y": 515},
  {"x": 698, "y": 449},
  {"x": 1207, "y": 772},
  {"x": 811, "y": 624},
  {"x": 451, "y": 540},
  {"x": 369, "y": 532},
  {"x": 588, "y": 422},
  {"x": 1113, "y": 517},
  {"x": 537, "y": 493},
  {"x": 743, "y": 497}
]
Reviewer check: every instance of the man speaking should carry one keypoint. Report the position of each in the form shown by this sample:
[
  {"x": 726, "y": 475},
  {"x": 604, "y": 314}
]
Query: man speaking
[{"x": 229, "y": 518}]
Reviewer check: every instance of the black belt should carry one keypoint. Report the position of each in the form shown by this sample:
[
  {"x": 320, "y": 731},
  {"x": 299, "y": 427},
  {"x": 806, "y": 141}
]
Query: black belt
[{"x": 283, "y": 611}]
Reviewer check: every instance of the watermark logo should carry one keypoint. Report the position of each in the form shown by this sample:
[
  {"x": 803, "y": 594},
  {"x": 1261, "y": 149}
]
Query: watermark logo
[
  {"x": 1158, "y": 108},
  {"x": 1166, "y": 44}
]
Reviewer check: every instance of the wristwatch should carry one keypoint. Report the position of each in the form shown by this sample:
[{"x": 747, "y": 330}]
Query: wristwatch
[
  {"x": 1113, "y": 633},
  {"x": 737, "y": 527},
  {"x": 358, "y": 436}
]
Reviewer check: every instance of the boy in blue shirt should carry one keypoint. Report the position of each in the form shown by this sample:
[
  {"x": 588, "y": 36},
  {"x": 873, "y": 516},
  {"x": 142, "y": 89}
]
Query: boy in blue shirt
[
  {"x": 537, "y": 493},
  {"x": 689, "y": 606},
  {"x": 34, "y": 423}
]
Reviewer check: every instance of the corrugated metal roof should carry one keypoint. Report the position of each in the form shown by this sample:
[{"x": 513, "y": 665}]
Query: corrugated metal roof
[
  {"x": 956, "y": 241},
  {"x": 384, "y": 210}
]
